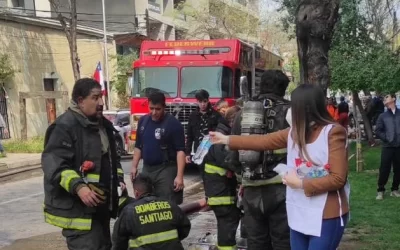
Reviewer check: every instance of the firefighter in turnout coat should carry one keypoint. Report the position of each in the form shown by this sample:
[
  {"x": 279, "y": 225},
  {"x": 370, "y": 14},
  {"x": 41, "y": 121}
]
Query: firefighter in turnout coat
[
  {"x": 150, "y": 222},
  {"x": 82, "y": 171},
  {"x": 220, "y": 186}
]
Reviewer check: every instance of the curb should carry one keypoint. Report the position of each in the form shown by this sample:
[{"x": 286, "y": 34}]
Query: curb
[
  {"x": 24, "y": 163},
  {"x": 15, "y": 171}
]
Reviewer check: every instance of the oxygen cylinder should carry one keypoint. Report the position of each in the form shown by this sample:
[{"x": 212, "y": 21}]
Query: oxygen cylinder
[{"x": 252, "y": 123}]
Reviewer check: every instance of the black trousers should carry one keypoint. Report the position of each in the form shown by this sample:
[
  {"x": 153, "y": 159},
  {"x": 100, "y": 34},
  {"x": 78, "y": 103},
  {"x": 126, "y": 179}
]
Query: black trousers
[
  {"x": 163, "y": 177},
  {"x": 228, "y": 217},
  {"x": 98, "y": 238},
  {"x": 265, "y": 218},
  {"x": 389, "y": 157}
]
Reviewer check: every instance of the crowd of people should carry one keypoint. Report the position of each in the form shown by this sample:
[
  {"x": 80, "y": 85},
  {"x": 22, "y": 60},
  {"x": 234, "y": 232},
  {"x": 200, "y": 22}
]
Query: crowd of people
[{"x": 303, "y": 207}]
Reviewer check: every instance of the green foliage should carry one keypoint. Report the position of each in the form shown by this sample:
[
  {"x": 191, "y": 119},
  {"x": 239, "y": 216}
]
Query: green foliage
[
  {"x": 216, "y": 19},
  {"x": 293, "y": 66},
  {"x": 123, "y": 69},
  {"x": 357, "y": 61},
  {"x": 290, "y": 6},
  {"x": 6, "y": 70}
]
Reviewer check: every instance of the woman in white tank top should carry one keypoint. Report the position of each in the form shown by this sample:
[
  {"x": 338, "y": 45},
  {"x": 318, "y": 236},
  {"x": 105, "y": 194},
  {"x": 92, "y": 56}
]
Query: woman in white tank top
[{"x": 317, "y": 195}]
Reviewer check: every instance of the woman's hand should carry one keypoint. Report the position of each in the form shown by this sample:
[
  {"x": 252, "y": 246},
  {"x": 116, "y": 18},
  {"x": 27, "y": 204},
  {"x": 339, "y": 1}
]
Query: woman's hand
[
  {"x": 292, "y": 180},
  {"x": 218, "y": 138}
]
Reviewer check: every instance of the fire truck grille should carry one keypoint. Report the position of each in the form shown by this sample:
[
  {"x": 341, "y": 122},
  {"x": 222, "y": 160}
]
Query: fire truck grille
[{"x": 181, "y": 112}]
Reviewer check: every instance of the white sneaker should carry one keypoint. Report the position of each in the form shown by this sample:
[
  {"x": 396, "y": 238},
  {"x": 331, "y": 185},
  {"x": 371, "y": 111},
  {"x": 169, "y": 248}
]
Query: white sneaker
[
  {"x": 379, "y": 196},
  {"x": 395, "y": 193}
]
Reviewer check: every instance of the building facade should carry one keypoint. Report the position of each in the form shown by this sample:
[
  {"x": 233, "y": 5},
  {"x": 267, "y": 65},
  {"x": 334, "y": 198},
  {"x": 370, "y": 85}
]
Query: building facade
[
  {"x": 154, "y": 19},
  {"x": 39, "y": 52}
]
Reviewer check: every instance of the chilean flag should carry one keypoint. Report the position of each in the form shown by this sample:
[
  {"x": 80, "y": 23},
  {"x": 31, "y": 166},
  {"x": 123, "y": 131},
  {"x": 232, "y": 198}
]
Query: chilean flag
[{"x": 98, "y": 76}]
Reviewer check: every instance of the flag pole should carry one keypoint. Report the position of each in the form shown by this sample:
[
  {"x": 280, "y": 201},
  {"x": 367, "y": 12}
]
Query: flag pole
[{"x": 106, "y": 57}]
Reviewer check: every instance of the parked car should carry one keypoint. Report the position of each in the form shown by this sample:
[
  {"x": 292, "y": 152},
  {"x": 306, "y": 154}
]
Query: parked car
[{"x": 121, "y": 122}]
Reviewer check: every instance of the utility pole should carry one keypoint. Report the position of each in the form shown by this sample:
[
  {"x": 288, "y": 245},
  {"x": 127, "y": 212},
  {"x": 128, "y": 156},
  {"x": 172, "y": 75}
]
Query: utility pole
[
  {"x": 395, "y": 28},
  {"x": 106, "y": 57},
  {"x": 147, "y": 23}
]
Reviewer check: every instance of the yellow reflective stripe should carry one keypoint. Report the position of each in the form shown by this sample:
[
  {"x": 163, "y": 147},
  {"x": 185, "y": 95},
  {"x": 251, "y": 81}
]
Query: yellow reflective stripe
[
  {"x": 211, "y": 169},
  {"x": 227, "y": 247},
  {"x": 68, "y": 223},
  {"x": 121, "y": 201},
  {"x": 120, "y": 171},
  {"x": 94, "y": 178},
  {"x": 281, "y": 151},
  {"x": 154, "y": 238},
  {"x": 66, "y": 177},
  {"x": 222, "y": 200}
]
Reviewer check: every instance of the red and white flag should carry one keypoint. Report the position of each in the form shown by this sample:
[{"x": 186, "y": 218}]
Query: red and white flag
[{"x": 98, "y": 76}]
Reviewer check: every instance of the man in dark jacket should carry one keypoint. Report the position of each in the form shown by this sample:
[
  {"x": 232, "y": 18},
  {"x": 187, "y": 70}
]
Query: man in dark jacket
[
  {"x": 150, "y": 222},
  {"x": 201, "y": 121},
  {"x": 82, "y": 202},
  {"x": 388, "y": 130},
  {"x": 343, "y": 111},
  {"x": 220, "y": 186}
]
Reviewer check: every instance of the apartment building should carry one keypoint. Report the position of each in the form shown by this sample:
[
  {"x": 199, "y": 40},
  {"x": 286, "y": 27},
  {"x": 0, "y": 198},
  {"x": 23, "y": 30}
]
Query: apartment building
[{"x": 165, "y": 20}]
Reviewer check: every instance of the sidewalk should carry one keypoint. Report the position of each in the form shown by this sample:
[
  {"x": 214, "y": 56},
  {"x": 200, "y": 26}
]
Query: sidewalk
[{"x": 13, "y": 161}]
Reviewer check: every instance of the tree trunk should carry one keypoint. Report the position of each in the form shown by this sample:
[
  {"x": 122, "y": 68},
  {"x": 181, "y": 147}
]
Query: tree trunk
[
  {"x": 366, "y": 121},
  {"x": 70, "y": 33},
  {"x": 315, "y": 22},
  {"x": 73, "y": 46}
]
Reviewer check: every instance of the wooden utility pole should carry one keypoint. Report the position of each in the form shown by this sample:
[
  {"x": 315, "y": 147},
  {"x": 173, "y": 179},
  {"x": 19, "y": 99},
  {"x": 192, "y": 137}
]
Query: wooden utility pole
[{"x": 359, "y": 157}]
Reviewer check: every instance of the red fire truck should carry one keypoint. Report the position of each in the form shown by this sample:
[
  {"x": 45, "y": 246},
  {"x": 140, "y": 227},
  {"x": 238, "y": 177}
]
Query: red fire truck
[{"x": 180, "y": 68}]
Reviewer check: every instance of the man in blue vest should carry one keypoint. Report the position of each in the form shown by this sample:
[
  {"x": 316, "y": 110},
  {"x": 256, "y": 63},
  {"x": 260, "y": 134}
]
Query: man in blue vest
[{"x": 160, "y": 142}]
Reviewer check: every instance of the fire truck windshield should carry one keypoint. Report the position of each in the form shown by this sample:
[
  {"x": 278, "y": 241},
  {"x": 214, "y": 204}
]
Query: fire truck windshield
[
  {"x": 147, "y": 80},
  {"x": 216, "y": 80}
]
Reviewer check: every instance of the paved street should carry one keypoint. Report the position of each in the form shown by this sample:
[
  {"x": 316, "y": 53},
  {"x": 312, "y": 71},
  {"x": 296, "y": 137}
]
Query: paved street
[{"x": 21, "y": 208}]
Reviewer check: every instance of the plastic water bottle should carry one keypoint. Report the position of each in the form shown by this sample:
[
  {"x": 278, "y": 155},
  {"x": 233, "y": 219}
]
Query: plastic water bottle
[{"x": 202, "y": 150}]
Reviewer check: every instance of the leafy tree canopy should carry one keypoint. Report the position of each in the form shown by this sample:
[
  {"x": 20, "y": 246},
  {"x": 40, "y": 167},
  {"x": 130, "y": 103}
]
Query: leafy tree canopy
[
  {"x": 357, "y": 61},
  {"x": 6, "y": 70},
  {"x": 123, "y": 69}
]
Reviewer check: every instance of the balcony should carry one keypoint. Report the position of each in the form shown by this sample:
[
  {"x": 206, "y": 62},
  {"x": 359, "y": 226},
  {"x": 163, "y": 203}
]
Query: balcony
[{"x": 154, "y": 6}]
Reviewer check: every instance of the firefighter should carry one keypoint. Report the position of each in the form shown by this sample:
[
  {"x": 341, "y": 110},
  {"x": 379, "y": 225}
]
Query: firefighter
[
  {"x": 82, "y": 171},
  {"x": 150, "y": 222},
  {"x": 220, "y": 188},
  {"x": 264, "y": 195}
]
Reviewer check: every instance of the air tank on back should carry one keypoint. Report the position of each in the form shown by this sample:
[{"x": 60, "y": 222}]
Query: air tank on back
[{"x": 252, "y": 123}]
